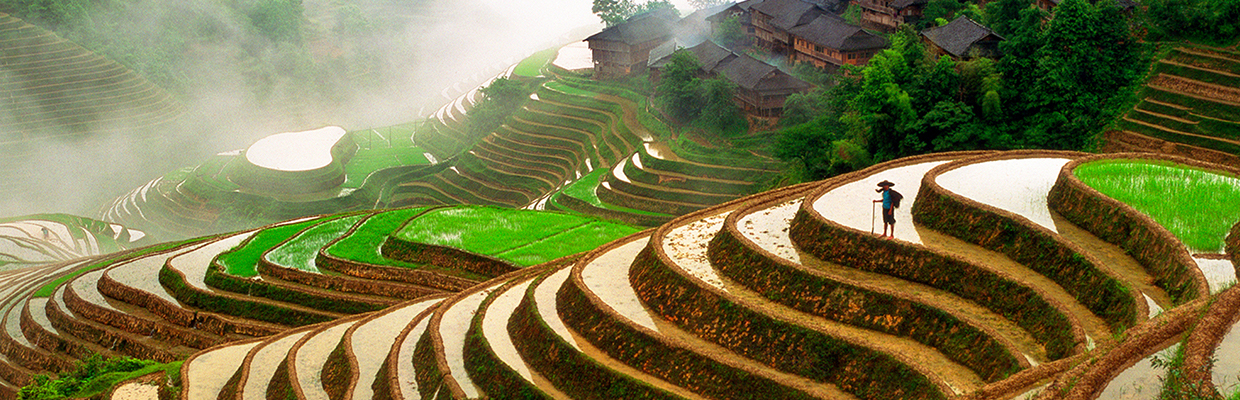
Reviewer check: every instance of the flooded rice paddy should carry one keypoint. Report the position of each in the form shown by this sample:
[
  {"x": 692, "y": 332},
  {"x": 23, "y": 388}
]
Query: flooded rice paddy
[
  {"x": 608, "y": 278},
  {"x": 852, "y": 204},
  {"x": 686, "y": 246},
  {"x": 295, "y": 151},
  {"x": 1019, "y": 186}
]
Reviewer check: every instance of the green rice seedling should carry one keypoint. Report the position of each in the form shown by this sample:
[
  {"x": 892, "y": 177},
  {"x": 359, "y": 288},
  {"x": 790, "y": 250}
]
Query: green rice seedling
[
  {"x": 301, "y": 250},
  {"x": 580, "y": 239},
  {"x": 560, "y": 87},
  {"x": 494, "y": 231},
  {"x": 532, "y": 66},
  {"x": 243, "y": 260},
  {"x": 363, "y": 245},
  {"x": 1197, "y": 206},
  {"x": 583, "y": 189}
]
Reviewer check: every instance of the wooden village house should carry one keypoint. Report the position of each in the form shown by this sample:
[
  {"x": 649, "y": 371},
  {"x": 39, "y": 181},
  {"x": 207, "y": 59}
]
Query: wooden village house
[
  {"x": 804, "y": 31},
  {"x": 828, "y": 41},
  {"x": 762, "y": 88},
  {"x": 962, "y": 39},
  {"x": 624, "y": 48}
]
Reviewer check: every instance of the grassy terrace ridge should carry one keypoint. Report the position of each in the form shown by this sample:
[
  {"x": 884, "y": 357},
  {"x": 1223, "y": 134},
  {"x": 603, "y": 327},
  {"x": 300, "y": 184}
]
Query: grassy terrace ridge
[
  {"x": 300, "y": 250},
  {"x": 523, "y": 237},
  {"x": 532, "y": 66},
  {"x": 583, "y": 189},
  {"x": 243, "y": 260},
  {"x": 381, "y": 148},
  {"x": 1206, "y": 203},
  {"x": 363, "y": 245}
]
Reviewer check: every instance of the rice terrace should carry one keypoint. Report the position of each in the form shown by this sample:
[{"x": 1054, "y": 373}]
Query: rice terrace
[{"x": 620, "y": 199}]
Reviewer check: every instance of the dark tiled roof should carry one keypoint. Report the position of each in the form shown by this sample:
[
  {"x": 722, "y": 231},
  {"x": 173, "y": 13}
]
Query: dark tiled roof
[
  {"x": 743, "y": 70},
  {"x": 786, "y": 14},
  {"x": 639, "y": 29},
  {"x": 957, "y": 36},
  {"x": 833, "y": 32},
  {"x": 899, "y": 4}
]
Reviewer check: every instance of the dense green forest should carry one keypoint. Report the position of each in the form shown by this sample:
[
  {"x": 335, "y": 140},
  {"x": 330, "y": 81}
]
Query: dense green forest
[{"x": 1061, "y": 79}]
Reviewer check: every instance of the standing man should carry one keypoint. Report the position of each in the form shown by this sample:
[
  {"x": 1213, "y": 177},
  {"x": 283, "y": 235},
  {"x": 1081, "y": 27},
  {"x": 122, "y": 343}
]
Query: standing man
[{"x": 889, "y": 212}]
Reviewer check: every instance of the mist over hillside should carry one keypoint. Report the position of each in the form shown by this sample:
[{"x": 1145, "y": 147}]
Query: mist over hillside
[{"x": 240, "y": 77}]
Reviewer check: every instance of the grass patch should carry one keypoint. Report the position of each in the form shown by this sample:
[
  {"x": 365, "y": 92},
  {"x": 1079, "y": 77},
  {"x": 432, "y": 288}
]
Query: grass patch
[
  {"x": 364, "y": 244},
  {"x": 583, "y": 189},
  {"x": 301, "y": 250},
  {"x": 560, "y": 87},
  {"x": 582, "y": 238},
  {"x": 1197, "y": 206},
  {"x": 243, "y": 260},
  {"x": 504, "y": 233},
  {"x": 94, "y": 376},
  {"x": 532, "y": 66}
]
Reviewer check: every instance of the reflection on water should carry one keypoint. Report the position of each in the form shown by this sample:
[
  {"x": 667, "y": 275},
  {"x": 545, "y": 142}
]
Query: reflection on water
[{"x": 1142, "y": 381}]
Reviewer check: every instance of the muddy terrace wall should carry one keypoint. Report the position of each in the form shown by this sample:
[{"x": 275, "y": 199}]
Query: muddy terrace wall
[
  {"x": 1086, "y": 380},
  {"x": 693, "y": 199},
  {"x": 587, "y": 315},
  {"x": 130, "y": 323},
  {"x": 1027, "y": 306},
  {"x": 234, "y": 306},
  {"x": 584, "y": 377},
  {"x": 624, "y": 199},
  {"x": 707, "y": 313},
  {"x": 344, "y": 284},
  {"x": 255, "y": 288},
  {"x": 650, "y": 176},
  {"x": 488, "y": 371},
  {"x": 447, "y": 257},
  {"x": 1123, "y": 142},
  {"x": 1026, "y": 242},
  {"x": 118, "y": 341},
  {"x": 1160, "y": 252},
  {"x": 797, "y": 287}
]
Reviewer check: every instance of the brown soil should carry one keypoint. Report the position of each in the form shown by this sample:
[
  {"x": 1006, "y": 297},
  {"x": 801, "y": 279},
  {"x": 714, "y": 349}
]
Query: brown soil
[
  {"x": 904, "y": 349},
  {"x": 971, "y": 312},
  {"x": 1094, "y": 327},
  {"x": 1189, "y": 86},
  {"x": 601, "y": 357},
  {"x": 1163, "y": 128},
  {"x": 1115, "y": 259}
]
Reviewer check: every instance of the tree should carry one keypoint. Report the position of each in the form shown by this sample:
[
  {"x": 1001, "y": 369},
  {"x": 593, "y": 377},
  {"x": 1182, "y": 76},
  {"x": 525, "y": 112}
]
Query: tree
[
  {"x": 731, "y": 33},
  {"x": 500, "y": 99},
  {"x": 1087, "y": 55},
  {"x": 945, "y": 9},
  {"x": 679, "y": 86},
  {"x": 278, "y": 20},
  {"x": 613, "y": 12},
  {"x": 1001, "y": 14},
  {"x": 719, "y": 112}
]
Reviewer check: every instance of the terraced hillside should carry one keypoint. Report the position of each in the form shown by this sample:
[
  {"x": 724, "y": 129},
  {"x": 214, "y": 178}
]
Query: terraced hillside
[
  {"x": 40, "y": 239},
  {"x": 990, "y": 291},
  {"x": 570, "y": 128},
  {"x": 1189, "y": 107},
  {"x": 55, "y": 87},
  {"x": 167, "y": 302}
]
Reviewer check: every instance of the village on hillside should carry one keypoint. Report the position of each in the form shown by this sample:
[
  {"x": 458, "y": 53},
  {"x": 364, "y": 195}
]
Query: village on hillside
[{"x": 763, "y": 199}]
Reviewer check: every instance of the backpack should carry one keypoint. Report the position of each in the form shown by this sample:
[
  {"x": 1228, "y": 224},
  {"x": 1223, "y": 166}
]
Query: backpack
[{"x": 895, "y": 198}]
